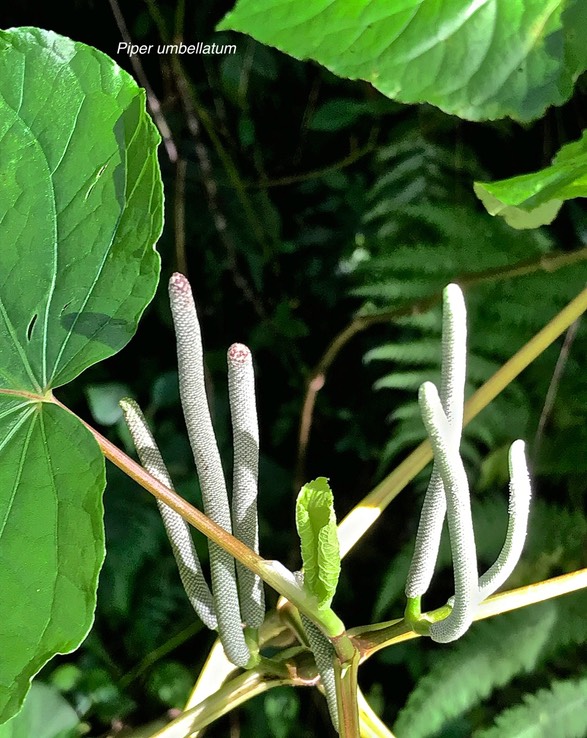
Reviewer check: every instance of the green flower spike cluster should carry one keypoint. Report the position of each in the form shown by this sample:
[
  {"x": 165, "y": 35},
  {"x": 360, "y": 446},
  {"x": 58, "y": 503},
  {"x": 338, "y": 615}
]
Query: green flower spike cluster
[
  {"x": 237, "y": 597},
  {"x": 448, "y": 493},
  {"x": 231, "y": 603}
]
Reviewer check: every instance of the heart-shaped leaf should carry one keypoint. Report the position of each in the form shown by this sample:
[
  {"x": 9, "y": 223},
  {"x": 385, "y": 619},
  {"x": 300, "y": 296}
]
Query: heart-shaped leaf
[{"x": 80, "y": 211}]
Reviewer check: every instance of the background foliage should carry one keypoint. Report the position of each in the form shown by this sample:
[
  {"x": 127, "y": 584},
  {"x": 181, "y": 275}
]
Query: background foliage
[{"x": 298, "y": 199}]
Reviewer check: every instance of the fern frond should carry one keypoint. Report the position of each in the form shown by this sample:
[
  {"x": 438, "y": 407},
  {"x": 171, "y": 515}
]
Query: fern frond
[
  {"x": 412, "y": 251},
  {"x": 557, "y": 712},
  {"x": 415, "y": 169},
  {"x": 488, "y": 656},
  {"x": 414, "y": 352},
  {"x": 406, "y": 380}
]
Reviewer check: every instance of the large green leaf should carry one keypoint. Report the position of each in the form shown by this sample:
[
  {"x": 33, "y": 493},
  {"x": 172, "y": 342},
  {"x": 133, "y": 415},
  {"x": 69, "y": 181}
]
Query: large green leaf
[
  {"x": 51, "y": 538},
  {"x": 45, "y": 714},
  {"x": 478, "y": 59},
  {"x": 80, "y": 211},
  {"x": 532, "y": 200},
  {"x": 316, "y": 524},
  {"x": 80, "y": 208}
]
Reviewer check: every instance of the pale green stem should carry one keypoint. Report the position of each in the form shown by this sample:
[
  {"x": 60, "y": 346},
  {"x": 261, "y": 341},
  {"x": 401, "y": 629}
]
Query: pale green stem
[
  {"x": 345, "y": 675},
  {"x": 371, "y": 724},
  {"x": 238, "y": 690}
]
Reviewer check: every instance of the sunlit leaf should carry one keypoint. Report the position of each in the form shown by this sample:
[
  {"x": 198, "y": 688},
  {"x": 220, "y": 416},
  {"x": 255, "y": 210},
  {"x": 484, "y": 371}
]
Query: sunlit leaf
[
  {"x": 316, "y": 524},
  {"x": 80, "y": 211},
  {"x": 532, "y": 200},
  {"x": 472, "y": 58}
]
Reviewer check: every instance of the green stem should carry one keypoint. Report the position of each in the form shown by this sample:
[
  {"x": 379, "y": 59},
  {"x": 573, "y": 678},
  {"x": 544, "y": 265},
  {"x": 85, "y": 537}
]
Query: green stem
[
  {"x": 274, "y": 573},
  {"x": 346, "y": 696},
  {"x": 413, "y": 610},
  {"x": 371, "y": 725},
  {"x": 194, "y": 108},
  {"x": 163, "y": 650},
  {"x": 298, "y": 671},
  {"x": 372, "y": 638}
]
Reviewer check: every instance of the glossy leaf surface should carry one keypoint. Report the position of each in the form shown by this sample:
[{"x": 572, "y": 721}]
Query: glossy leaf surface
[
  {"x": 532, "y": 200},
  {"x": 80, "y": 211},
  {"x": 478, "y": 59}
]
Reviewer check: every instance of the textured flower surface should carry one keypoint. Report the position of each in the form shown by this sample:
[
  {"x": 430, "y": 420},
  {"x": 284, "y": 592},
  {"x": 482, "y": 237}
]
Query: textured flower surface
[{"x": 448, "y": 493}]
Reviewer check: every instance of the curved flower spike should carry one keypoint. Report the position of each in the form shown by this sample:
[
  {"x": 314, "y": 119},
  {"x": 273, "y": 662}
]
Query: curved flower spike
[
  {"x": 245, "y": 431},
  {"x": 213, "y": 485},
  {"x": 518, "y": 510},
  {"x": 324, "y": 653},
  {"x": 460, "y": 523},
  {"x": 452, "y": 392},
  {"x": 178, "y": 531}
]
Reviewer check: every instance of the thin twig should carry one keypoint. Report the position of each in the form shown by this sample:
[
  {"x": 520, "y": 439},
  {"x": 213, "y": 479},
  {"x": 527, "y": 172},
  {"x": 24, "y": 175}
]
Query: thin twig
[
  {"x": 346, "y": 161},
  {"x": 152, "y": 99},
  {"x": 211, "y": 189},
  {"x": 179, "y": 21},
  {"x": 196, "y": 118},
  {"x": 317, "y": 379},
  {"x": 555, "y": 381},
  {"x": 180, "y": 253}
]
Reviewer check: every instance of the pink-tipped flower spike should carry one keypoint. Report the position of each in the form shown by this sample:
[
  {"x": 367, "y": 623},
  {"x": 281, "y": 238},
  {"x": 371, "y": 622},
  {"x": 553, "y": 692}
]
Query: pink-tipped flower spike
[
  {"x": 213, "y": 485},
  {"x": 245, "y": 431},
  {"x": 178, "y": 531},
  {"x": 452, "y": 392}
]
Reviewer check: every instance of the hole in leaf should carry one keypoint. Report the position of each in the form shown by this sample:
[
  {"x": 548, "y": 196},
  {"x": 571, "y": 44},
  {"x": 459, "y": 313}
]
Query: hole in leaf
[
  {"x": 64, "y": 308},
  {"x": 31, "y": 325}
]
